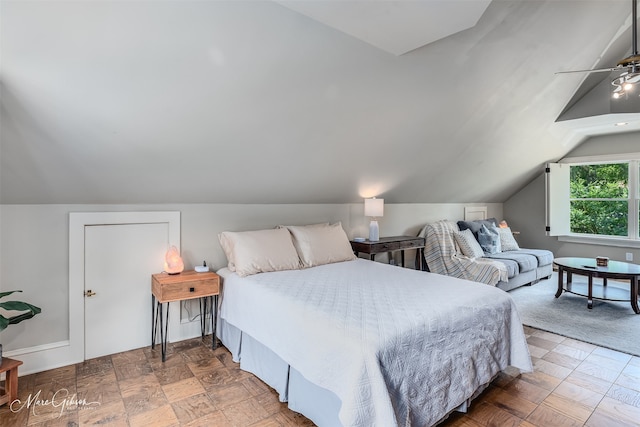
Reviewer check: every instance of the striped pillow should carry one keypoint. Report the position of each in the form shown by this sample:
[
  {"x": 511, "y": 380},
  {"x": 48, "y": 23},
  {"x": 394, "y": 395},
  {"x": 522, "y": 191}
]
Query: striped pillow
[{"x": 468, "y": 244}]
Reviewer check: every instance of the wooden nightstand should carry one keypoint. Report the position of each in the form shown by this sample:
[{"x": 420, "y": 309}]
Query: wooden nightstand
[
  {"x": 166, "y": 288},
  {"x": 390, "y": 244},
  {"x": 10, "y": 367}
]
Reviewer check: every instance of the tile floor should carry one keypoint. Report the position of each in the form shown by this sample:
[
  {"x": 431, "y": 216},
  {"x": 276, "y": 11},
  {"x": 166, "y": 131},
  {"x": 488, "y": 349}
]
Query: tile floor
[{"x": 574, "y": 384}]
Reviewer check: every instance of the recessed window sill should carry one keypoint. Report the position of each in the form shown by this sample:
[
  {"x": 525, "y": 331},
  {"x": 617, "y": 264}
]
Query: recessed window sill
[{"x": 604, "y": 241}]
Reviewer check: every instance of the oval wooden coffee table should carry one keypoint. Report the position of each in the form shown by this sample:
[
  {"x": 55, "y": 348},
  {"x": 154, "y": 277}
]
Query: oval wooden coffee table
[{"x": 587, "y": 267}]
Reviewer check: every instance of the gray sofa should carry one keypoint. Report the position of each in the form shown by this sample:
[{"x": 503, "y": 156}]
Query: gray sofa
[
  {"x": 505, "y": 270},
  {"x": 524, "y": 266}
]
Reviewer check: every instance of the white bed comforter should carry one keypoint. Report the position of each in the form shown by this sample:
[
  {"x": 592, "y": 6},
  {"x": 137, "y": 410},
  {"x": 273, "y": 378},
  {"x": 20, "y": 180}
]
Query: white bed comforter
[{"x": 397, "y": 346}]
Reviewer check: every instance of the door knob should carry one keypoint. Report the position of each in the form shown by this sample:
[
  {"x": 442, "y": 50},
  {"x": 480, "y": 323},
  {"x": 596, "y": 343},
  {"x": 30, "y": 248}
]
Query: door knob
[{"x": 89, "y": 293}]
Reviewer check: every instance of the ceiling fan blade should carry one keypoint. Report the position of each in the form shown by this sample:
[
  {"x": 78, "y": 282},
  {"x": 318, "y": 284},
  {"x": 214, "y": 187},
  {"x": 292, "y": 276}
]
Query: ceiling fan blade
[
  {"x": 629, "y": 67},
  {"x": 598, "y": 70},
  {"x": 633, "y": 78}
]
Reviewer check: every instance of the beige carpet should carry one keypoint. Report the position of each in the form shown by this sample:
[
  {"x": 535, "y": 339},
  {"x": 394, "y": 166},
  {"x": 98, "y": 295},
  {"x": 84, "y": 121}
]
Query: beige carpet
[{"x": 609, "y": 324}]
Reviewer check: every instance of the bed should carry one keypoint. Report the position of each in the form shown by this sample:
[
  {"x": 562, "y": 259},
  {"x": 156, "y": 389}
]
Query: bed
[{"x": 360, "y": 343}]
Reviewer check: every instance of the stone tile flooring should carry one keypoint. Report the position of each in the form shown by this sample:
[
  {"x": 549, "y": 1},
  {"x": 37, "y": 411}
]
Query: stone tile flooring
[{"x": 574, "y": 384}]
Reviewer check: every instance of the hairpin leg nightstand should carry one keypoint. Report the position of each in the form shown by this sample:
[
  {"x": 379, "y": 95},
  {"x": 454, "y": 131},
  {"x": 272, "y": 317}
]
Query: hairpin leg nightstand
[{"x": 166, "y": 288}]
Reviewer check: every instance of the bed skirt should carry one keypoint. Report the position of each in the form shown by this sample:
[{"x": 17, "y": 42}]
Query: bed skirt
[{"x": 316, "y": 403}]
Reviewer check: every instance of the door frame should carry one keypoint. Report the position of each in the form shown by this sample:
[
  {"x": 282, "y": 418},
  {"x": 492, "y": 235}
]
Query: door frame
[{"x": 77, "y": 223}]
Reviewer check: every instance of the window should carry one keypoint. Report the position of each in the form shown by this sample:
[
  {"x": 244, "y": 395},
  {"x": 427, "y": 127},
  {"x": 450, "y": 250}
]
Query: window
[
  {"x": 595, "y": 199},
  {"x": 599, "y": 199}
]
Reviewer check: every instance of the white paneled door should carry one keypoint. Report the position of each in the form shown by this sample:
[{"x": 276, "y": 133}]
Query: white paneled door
[{"x": 119, "y": 261}]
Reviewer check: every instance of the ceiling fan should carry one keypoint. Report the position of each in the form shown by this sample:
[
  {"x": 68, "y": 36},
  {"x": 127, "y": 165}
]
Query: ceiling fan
[{"x": 629, "y": 66}]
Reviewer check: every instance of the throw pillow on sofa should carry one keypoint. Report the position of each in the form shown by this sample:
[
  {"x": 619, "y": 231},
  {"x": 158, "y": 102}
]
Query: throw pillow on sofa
[
  {"x": 476, "y": 225},
  {"x": 489, "y": 239},
  {"x": 507, "y": 241},
  {"x": 468, "y": 244}
]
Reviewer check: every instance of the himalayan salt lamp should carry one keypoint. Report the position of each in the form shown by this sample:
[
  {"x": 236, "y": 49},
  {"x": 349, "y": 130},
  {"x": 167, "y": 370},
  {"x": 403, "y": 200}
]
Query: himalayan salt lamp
[{"x": 172, "y": 262}]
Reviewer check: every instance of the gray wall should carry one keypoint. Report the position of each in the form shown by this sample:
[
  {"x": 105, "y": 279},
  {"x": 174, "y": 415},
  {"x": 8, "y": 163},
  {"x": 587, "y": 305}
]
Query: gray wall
[
  {"x": 34, "y": 245},
  {"x": 34, "y": 251},
  {"x": 525, "y": 210}
]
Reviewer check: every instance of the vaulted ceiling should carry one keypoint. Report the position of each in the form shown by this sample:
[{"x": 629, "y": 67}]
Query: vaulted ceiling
[{"x": 294, "y": 102}]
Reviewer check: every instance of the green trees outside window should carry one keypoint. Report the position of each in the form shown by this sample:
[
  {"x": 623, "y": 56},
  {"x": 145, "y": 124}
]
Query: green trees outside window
[{"x": 599, "y": 199}]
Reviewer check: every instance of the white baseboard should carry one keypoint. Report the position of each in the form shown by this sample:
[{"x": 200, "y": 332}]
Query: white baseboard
[
  {"x": 55, "y": 355},
  {"x": 187, "y": 330},
  {"x": 43, "y": 357}
]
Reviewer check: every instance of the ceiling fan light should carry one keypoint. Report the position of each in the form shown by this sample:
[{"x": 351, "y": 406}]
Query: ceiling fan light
[{"x": 629, "y": 67}]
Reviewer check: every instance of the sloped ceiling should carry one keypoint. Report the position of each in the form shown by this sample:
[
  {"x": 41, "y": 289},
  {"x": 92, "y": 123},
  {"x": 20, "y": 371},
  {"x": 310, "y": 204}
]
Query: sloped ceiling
[
  {"x": 394, "y": 26},
  {"x": 592, "y": 109},
  {"x": 253, "y": 102}
]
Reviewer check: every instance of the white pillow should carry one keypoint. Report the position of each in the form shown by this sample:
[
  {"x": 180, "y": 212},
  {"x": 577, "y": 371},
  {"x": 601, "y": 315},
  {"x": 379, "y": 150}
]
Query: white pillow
[
  {"x": 507, "y": 241},
  {"x": 251, "y": 252},
  {"x": 320, "y": 244},
  {"x": 468, "y": 244}
]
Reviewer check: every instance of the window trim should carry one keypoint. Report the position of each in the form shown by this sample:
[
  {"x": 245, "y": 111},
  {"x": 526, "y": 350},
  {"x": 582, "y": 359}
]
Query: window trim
[
  {"x": 621, "y": 242},
  {"x": 632, "y": 240}
]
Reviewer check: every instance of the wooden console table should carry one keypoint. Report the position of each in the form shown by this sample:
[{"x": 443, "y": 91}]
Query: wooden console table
[
  {"x": 10, "y": 368},
  {"x": 166, "y": 288},
  {"x": 390, "y": 244}
]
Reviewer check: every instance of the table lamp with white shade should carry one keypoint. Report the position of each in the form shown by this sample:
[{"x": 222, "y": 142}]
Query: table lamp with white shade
[{"x": 374, "y": 208}]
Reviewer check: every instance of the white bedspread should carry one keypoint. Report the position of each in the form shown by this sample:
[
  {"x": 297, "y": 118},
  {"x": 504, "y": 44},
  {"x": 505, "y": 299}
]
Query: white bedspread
[{"x": 397, "y": 346}]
